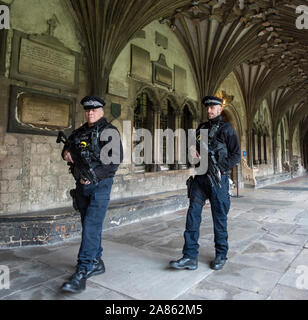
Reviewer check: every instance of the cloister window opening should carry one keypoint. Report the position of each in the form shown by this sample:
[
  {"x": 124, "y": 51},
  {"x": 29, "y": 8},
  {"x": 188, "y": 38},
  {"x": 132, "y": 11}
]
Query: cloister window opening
[
  {"x": 143, "y": 119},
  {"x": 259, "y": 149},
  {"x": 187, "y": 123},
  {"x": 167, "y": 121}
]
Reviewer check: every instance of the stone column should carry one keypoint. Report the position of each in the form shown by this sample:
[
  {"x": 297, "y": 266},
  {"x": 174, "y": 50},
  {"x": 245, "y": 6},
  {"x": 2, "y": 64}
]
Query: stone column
[
  {"x": 256, "y": 148},
  {"x": 262, "y": 150},
  {"x": 157, "y": 139},
  {"x": 177, "y": 148},
  {"x": 268, "y": 150}
]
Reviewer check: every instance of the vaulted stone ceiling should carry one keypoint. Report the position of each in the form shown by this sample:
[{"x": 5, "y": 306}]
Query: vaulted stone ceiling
[
  {"x": 107, "y": 26},
  {"x": 258, "y": 82},
  {"x": 221, "y": 36},
  {"x": 290, "y": 103},
  {"x": 218, "y": 35},
  {"x": 294, "y": 117}
]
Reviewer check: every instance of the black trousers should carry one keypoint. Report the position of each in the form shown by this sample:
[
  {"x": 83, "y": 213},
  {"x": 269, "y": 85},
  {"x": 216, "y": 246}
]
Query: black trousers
[{"x": 220, "y": 205}]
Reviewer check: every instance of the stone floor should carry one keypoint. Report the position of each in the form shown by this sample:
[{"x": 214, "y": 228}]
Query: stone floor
[{"x": 268, "y": 257}]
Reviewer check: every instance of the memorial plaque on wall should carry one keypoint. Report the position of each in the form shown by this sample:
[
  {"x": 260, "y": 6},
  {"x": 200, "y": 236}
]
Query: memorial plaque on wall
[
  {"x": 36, "y": 112},
  {"x": 162, "y": 74},
  {"x": 140, "y": 64},
  {"x": 44, "y": 60}
]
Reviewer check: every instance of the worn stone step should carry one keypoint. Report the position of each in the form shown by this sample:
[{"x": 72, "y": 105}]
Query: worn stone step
[{"x": 55, "y": 225}]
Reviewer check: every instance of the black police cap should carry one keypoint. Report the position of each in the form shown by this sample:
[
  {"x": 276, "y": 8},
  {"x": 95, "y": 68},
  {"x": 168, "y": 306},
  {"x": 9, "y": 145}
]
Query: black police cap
[
  {"x": 211, "y": 101},
  {"x": 92, "y": 102}
]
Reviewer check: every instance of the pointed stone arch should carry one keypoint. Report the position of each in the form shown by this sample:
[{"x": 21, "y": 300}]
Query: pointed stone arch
[
  {"x": 192, "y": 108},
  {"x": 173, "y": 101},
  {"x": 231, "y": 110},
  {"x": 152, "y": 95}
]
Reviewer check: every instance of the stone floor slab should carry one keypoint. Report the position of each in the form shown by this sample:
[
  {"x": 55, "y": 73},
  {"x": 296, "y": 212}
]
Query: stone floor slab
[
  {"x": 27, "y": 275},
  {"x": 38, "y": 293},
  {"x": 282, "y": 292},
  {"x": 64, "y": 259},
  {"x": 296, "y": 278},
  {"x": 268, "y": 245},
  {"x": 207, "y": 290},
  {"x": 268, "y": 255},
  {"x": 301, "y": 259},
  {"x": 93, "y": 291},
  {"x": 145, "y": 275},
  {"x": 248, "y": 278}
]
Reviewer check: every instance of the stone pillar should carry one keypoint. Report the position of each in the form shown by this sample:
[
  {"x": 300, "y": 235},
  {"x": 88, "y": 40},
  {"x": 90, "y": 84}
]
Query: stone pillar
[
  {"x": 262, "y": 150},
  {"x": 256, "y": 148},
  {"x": 177, "y": 149},
  {"x": 268, "y": 150},
  {"x": 157, "y": 140}
]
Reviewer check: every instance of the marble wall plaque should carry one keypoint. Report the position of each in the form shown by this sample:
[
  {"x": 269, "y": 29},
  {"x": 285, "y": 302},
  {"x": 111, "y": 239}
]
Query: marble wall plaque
[
  {"x": 37, "y": 112},
  {"x": 162, "y": 74},
  {"x": 46, "y": 63},
  {"x": 140, "y": 64},
  {"x": 44, "y": 60}
]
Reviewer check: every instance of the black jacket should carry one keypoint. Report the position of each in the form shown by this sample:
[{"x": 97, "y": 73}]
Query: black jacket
[
  {"x": 227, "y": 135},
  {"x": 101, "y": 170}
]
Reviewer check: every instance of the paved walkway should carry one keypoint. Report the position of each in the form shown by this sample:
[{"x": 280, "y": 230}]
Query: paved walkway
[{"x": 268, "y": 258}]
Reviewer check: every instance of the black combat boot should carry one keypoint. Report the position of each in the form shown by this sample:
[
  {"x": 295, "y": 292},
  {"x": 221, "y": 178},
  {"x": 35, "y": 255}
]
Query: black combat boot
[
  {"x": 218, "y": 263},
  {"x": 184, "y": 263},
  {"x": 77, "y": 283},
  {"x": 98, "y": 268}
]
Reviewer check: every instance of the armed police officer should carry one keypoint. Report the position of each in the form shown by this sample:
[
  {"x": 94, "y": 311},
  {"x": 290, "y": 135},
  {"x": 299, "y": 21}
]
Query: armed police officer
[
  {"x": 94, "y": 153},
  {"x": 223, "y": 154}
]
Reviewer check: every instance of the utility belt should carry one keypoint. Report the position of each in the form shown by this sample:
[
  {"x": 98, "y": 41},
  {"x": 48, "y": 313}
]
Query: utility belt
[{"x": 190, "y": 181}]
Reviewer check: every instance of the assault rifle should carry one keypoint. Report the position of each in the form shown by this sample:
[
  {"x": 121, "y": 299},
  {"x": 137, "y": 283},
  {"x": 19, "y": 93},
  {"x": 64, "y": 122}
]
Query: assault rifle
[
  {"x": 81, "y": 157},
  {"x": 214, "y": 147}
]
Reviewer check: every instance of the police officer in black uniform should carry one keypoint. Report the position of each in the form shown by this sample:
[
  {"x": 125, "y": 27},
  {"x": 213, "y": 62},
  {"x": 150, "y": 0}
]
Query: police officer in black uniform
[
  {"x": 94, "y": 178},
  {"x": 216, "y": 190}
]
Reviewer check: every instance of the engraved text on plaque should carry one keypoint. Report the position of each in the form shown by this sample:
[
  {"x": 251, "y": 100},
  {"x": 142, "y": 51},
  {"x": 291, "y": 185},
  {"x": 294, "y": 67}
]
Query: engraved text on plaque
[{"x": 46, "y": 63}]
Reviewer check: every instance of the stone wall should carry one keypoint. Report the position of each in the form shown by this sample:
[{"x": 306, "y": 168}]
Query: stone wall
[{"x": 32, "y": 174}]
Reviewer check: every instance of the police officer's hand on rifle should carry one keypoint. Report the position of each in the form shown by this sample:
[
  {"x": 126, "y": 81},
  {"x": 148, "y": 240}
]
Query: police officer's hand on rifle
[
  {"x": 193, "y": 152},
  {"x": 68, "y": 158}
]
